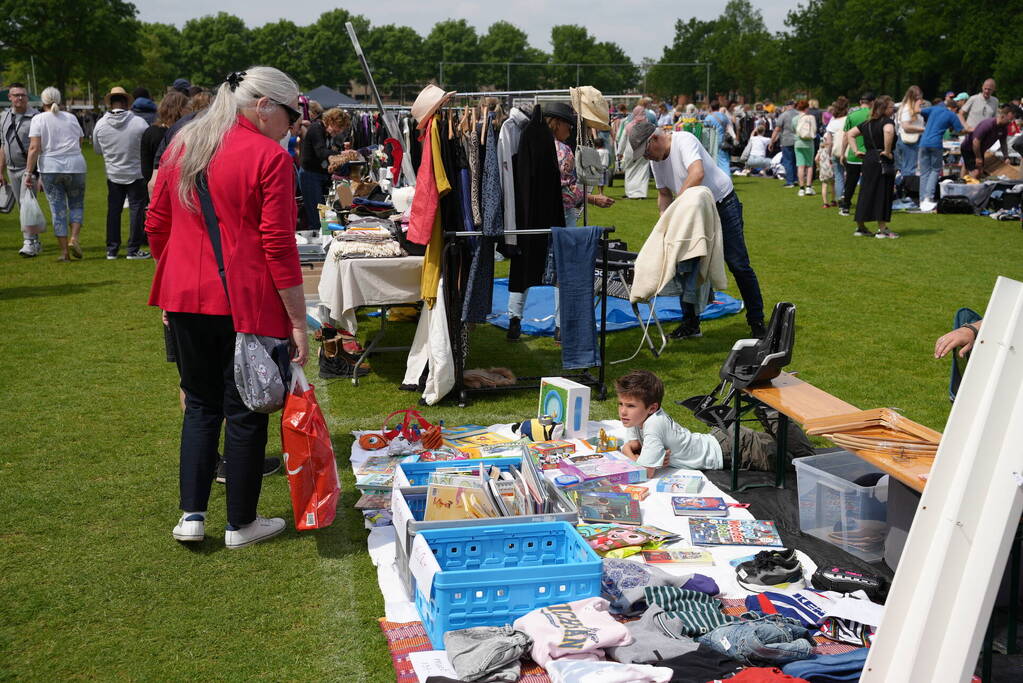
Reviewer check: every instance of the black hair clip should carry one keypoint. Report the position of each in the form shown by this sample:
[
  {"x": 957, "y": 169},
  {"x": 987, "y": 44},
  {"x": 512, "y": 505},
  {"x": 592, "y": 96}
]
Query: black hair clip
[{"x": 234, "y": 78}]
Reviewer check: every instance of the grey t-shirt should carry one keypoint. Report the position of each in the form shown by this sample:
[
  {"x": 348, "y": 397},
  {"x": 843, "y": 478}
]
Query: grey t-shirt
[
  {"x": 977, "y": 109},
  {"x": 689, "y": 450},
  {"x": 788, "y": 133}
]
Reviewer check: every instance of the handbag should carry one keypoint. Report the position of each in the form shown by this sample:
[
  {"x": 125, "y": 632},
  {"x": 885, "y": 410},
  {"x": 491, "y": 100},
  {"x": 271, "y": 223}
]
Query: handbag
[
  {"x": 887, "y": 163},
  {"x": 7, "y": 198},
  {"x": 262, "y": 365},
  {"x": 308, "y": 456},
  {"x": 589, "y": 169}
]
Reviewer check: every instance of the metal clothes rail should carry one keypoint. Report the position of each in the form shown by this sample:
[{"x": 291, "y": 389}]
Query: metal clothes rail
[{"x": 453, "y": 302}]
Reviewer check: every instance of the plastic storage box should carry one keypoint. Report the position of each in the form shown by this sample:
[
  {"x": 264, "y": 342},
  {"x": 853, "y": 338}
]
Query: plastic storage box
[
  {"x": 418, "y": 473},
  {"x": 408, "y": 506},
  {"x": 492, "y": 575},
  {"x": 834, "y": 509}
]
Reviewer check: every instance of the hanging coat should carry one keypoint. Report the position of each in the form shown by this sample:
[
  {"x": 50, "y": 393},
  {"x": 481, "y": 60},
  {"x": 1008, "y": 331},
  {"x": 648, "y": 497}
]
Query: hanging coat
[{"x": 537, "y": 200}]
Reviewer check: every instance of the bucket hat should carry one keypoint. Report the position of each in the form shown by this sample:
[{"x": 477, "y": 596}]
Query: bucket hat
[
  {"x": 118, "y": 90},
  {"x": 428, "y": 101},
  {"x": 591, "y": 105}
]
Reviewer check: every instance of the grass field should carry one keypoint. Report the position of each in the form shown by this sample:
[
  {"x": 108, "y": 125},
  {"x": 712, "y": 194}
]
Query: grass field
[{"x": 91, "y": 583}]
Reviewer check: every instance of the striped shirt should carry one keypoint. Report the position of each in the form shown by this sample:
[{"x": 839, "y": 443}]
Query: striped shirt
[{"x": 686, "y": 612}]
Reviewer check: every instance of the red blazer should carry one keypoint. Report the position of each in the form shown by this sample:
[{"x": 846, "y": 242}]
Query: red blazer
[{"x": 252, "y": 183}]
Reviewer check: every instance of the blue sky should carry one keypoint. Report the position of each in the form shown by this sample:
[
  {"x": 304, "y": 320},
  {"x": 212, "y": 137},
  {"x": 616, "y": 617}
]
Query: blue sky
[{"x": 641, "y": 28}]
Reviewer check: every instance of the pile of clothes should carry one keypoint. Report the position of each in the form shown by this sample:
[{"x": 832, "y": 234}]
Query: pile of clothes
[{"x": 366, "y": 242}]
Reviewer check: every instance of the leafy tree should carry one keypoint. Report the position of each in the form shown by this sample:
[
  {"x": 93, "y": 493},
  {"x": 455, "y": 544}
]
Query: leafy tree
[
  {"x": 213, "y": 46},
  {"x": 329, "y": 53},
  {"x": 395, "y": 53},
  {"x": 64, "y": 35},
  {"x": 685, "y": 48},
  {"x": 282, "y": 45},
  {"x": 505, "y": 42},
  {"x": 612, "y": 71},
  {"x": 159, "y": 47},
  {"x": 453, "y": 41}
]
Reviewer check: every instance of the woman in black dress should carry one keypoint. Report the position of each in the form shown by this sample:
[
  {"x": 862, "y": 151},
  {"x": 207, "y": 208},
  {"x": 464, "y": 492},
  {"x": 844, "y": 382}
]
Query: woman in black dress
[{"x": 877, "y": 182}]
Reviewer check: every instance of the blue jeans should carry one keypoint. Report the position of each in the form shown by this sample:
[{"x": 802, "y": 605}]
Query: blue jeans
[
  {"x": 575, "y": 253},
  {"x": 737, "y": 258},
  {"x": 788, "y": 160},
  {"x": 66, "y": 194},
  {"x": 769, "y": 641},
  {"x": 906, "y": 157},
  {"x": 313, "y": 187},
  {"x": 839, "y": 169},
  {"x": 930, "y": 169}
]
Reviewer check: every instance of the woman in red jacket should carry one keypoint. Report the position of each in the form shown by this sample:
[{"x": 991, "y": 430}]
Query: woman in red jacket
[{"x": 251, "y": 182}]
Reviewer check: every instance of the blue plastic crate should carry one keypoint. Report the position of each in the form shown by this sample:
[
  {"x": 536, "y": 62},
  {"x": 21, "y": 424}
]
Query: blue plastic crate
[
  {"x": 492, "y": 575},
  {"x": 418, "y": 473}
]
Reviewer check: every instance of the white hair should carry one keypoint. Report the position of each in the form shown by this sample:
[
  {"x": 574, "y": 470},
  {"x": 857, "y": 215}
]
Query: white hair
[
  {"x": 199, "y": 139},
  {"x": 51, "y": 99}
]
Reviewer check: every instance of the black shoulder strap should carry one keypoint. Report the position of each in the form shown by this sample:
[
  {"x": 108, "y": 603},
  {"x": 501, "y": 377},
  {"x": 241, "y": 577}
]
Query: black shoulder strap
[
  {"x": 14, "y": 127},
  {"x": 212, "y": 226}
]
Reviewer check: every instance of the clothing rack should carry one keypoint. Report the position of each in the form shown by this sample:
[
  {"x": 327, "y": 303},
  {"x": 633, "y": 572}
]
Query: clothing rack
[{"x": 453, "y": 304}]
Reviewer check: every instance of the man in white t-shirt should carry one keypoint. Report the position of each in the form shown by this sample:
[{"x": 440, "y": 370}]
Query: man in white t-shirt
[
  {"x": 983, "y": 105},
  {"x": 679, "y": 162}
]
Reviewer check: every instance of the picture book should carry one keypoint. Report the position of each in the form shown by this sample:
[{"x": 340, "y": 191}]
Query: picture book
[
  {"x": 549, "y": 453},
  {"x": 690, "y": 484},
  {"x": 691, "y": 557},
  {"x": 481, "y": 439},
  {"x": 657, "y": 533},
  {"x": 702, "y": 506},
  {"x": 608, "y": 467},
  {"x": 606, "y": 537},
  {"x": 446, "y": 502},
  {"x": 374, "y": 501},
  {"x": 374, "y": 483},
  {"x": 377, "y": 464},
  {"x": 442, "y": 454},
  {"x": 712, "y": 531},
  {"x": 608, "y": 506}
]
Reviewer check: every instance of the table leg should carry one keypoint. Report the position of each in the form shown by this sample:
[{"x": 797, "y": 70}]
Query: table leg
[
  {"x": 1014, "y": 562},
  {"x": 736, "y": 442},
  {"x": 987, "y": 649},
  {"x": 781, "y": 440}
]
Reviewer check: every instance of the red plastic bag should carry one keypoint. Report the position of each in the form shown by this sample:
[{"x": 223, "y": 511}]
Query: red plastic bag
[{"x": 308, "y": 456}]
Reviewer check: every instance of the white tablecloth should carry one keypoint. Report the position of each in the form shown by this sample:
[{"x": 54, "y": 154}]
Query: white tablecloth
[{"x": 349, "y": 283}]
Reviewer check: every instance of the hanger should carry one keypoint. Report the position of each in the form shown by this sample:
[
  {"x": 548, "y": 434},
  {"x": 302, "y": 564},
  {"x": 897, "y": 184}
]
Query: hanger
[{"x": 463, "y": 124}]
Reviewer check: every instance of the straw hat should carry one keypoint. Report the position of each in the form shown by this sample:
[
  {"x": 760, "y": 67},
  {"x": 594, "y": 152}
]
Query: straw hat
[
  {"x": 118, "y": 90},
  {"x": 592, "y": 106},
  {"x": 428, "y": 101}
]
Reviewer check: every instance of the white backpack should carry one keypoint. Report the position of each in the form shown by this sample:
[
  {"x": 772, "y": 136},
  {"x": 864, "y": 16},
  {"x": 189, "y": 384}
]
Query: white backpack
[{"x": 806, "y": 127}]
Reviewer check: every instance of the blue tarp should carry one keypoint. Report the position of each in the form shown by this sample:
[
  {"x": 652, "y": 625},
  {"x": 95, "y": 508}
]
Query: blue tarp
[{"x": 538, "y": 317}]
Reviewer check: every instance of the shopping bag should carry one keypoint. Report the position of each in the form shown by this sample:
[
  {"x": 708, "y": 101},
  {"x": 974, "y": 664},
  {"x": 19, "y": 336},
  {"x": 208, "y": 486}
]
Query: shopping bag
[
  {"x": 308, "y": 456},
  {"x": 32, "y": 218}
]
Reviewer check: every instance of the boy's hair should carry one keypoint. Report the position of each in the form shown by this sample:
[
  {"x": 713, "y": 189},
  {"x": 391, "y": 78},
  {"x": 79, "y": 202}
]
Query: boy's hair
[
  {"x": 641, "y": 384},
  {"x": 599, "y": 142}
]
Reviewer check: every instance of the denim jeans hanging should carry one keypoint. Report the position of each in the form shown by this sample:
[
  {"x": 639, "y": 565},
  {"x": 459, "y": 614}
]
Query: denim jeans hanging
[{"x": 575, "y": 251}]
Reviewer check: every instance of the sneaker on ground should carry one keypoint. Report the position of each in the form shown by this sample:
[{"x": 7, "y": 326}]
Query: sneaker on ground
[
  {"x": 927, "y": 206},
  {"x": 138, "y": 255},
  {"x": 809, "y": 191},
  {"x": 863, "y": 233},
  {"x": 686, "y": 330},
  {"x": 785, "y": 556},
  {"x": 801, "y": 192},
  {"x": 30, "y": 248},
  {"x": 887, "y": 234},
  {"x": 75, "y": 249},
  {"x": 111, "y": 255},
  {"x": 261, "y": 529},
  {"x": 758, "y": 576},
  {"x": 190, "y": 528},
  {"x": 789, "y": 185},
  {"x": 843, "y": 212},
  {"x": 514, "y": 329}
]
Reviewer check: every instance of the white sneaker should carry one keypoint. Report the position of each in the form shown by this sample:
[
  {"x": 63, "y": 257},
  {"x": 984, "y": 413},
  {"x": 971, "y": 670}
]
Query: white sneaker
[
  {"x": 190, "y": 528},
  {"x": 30, "y": 248},
  {"x": 927, "y": 206},
  {"x": 259, "y": 530},
  {"x": 802, "y": 192},
  {"x": 809, "y": 191}
]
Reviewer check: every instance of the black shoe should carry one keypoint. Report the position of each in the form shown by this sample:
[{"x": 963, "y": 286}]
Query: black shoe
[
  {"x": 514, "y": 329},
  {"x": 770, "y": 573},
  {"x": 758, "y": 330},
  {"x": 270, "y": 465},
  {"x": 340, "y": 365},
  {"x": 557, "y": 335},
  {"x": 687, "y": 330},
  {"x": 139, "y": 255}
]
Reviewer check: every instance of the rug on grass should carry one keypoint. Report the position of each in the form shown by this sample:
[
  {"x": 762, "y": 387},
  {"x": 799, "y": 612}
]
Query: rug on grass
[
  {"x": 403, "y": 638},
  {"x": 538, "y": 315}
]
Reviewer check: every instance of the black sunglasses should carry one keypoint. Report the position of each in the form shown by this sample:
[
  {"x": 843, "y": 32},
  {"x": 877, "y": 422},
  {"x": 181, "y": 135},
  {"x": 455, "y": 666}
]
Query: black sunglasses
[{"x": 293, "y": 115}]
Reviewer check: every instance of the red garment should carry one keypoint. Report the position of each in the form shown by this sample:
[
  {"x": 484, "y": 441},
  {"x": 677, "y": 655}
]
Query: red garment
[
  {"x": 252, "y": 184},
  {"x": 763, "y": 675},
  {"x": 426, "y": 199},
  {"x": 396, "y": 154}
]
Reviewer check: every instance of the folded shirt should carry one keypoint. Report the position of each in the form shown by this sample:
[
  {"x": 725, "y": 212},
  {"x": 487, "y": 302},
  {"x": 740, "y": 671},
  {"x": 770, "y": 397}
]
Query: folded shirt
[{"x": 574, "y": 630}]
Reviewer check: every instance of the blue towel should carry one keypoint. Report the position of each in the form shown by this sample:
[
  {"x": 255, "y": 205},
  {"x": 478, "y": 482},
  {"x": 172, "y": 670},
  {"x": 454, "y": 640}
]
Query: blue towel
[{"x": 575, "y": 253}]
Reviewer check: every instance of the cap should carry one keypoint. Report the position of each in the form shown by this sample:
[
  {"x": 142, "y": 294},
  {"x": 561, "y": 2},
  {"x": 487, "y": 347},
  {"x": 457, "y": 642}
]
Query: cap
[
  {"x": 950, "y": 93},
  {"x": 639, "y": 136},
  {"x": 962, "y": 97},
  {"x": 182, "y": 85},
  {"x": 868, "y": 96},
  {"x": 560, "y": 110}
]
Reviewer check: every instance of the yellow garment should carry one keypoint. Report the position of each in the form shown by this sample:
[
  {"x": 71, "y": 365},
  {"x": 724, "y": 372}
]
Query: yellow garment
[{"x": 431, "y": 260}]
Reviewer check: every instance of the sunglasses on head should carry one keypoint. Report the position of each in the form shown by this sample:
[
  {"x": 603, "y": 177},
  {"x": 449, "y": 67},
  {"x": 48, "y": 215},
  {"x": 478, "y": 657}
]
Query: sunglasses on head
[{"x": 293, "y": 115}]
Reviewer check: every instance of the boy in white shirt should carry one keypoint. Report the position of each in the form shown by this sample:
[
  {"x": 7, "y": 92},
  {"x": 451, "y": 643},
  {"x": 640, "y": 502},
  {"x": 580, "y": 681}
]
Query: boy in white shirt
[{"x": 655, "y": 440}]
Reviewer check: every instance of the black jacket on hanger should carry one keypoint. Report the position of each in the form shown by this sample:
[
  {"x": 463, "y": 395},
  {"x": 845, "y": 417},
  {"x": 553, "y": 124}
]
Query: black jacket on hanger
[{"x": 537, "y": 200}]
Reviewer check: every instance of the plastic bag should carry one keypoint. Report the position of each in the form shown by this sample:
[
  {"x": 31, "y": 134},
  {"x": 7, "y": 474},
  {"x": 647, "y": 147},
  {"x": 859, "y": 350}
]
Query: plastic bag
[
  {"x": 32, "y": 218},
  {"x": 308, "y": 456}
]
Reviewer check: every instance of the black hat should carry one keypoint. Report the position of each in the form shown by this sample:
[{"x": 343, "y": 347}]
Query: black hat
[
  {"x": 560, "y": 110},
  {"x": 868, "y": 96}
]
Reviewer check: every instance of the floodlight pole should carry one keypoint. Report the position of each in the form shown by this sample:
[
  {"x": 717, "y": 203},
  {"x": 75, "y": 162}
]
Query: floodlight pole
[{"x": 389, "y": 121}]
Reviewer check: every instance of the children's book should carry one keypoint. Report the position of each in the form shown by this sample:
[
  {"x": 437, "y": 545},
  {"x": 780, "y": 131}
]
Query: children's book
[
  {"x": 689, "y": 484},
  {"x": 712, "y": 531},
  {"x": 374, "y": 483},
  {"x": 377, "y": 464},
  {"x": 605, "y": 537},
  {"x": 548, "y": 454},
  {"x": 446, "y": 502},
  {"x": 699, "y": 506},
  {"x": 608, "y": 506},
  {"x": 374, "y": 501},
  {"x": 610, "y": 467},
  {"x": 690, "y": 557},
  {"x": 443, "y": 454}
]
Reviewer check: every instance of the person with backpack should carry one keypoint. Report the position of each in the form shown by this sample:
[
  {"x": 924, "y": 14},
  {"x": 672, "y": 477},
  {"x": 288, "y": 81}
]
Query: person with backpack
[{"x": 805, "y": 126}]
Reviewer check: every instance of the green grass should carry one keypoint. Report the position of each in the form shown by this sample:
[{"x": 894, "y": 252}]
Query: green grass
[{"x": 92, "y": 584}]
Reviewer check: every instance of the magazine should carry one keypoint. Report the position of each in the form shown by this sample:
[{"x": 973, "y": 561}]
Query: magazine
[
  {"x": 691, "y": 557},
  {"x": 700, "y": 506},
  {"x": 377, "y": 464},
  {"x": 608, "y": 506},
  {"x": 713, "y": 531},
  {"x": 690, "y": 484}
]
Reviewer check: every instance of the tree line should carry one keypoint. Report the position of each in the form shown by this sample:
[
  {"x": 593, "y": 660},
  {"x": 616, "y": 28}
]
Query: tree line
[{"x": 828, "y": 47}]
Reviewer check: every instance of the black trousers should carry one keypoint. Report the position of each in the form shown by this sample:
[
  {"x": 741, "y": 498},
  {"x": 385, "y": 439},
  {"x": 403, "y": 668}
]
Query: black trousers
[
  {"x": 205, "y": 357},
  {"x": 138, "y": 199},
  {"x": 852, "y": 178}
]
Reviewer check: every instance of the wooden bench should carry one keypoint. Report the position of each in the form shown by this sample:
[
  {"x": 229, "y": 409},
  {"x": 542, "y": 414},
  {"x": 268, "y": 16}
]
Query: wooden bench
[{"x": 800, "y": 401}]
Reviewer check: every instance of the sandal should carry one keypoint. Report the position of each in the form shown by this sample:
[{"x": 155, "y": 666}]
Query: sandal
[{"x": 75, "y": 249}]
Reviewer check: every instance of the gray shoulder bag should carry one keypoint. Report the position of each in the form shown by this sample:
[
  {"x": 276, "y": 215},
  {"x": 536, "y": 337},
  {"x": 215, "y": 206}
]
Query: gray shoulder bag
[{"x": 262, "y": 365}]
